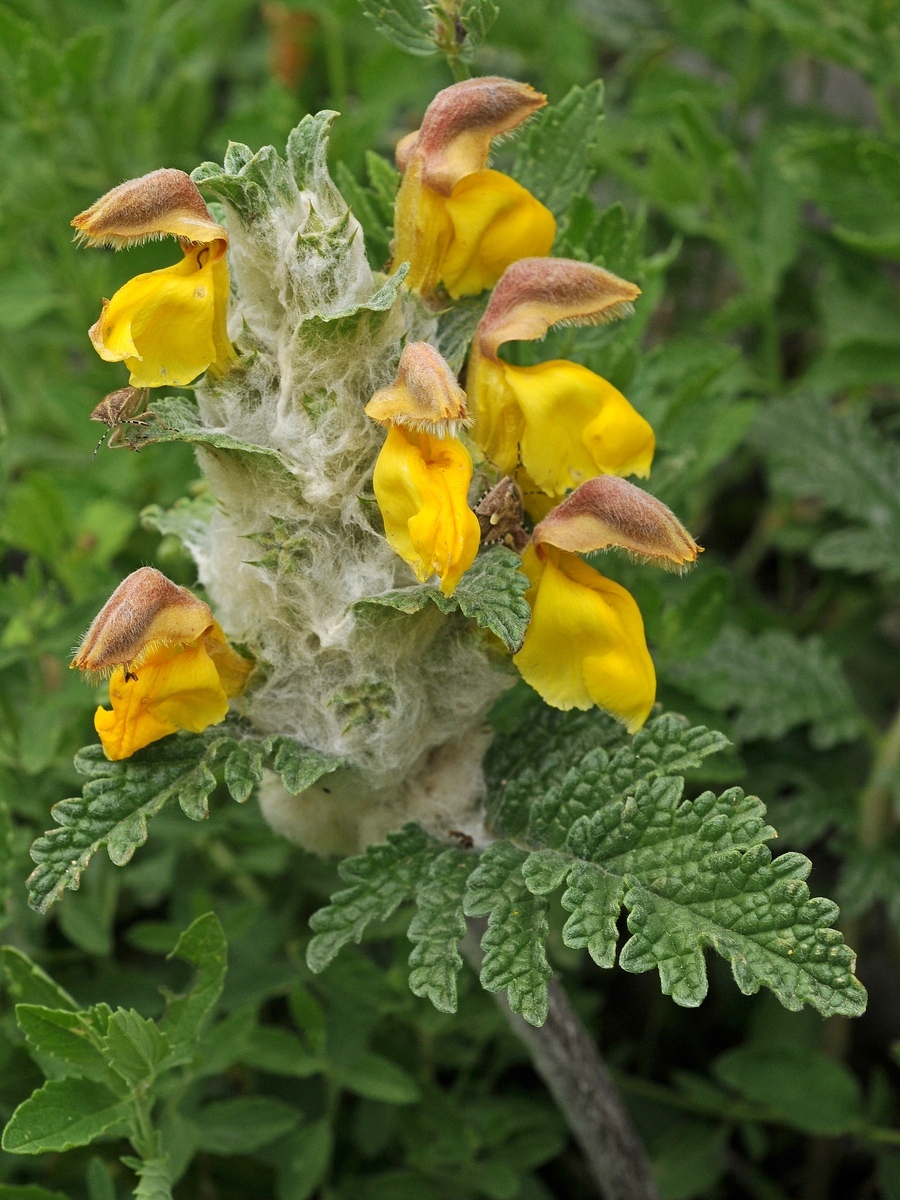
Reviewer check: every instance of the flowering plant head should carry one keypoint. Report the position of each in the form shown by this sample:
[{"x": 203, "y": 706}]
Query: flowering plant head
[
  {"x": 167, "y": 326},
  {"x": 457, "y": 222},
  {"x": 342, "y": 538}
]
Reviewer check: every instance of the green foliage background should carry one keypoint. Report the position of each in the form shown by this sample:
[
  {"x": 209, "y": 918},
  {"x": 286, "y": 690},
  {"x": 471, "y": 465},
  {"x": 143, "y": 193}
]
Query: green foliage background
[{"x": 754, "y": 146}]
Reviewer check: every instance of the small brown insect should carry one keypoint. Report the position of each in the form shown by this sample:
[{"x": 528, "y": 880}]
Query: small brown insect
[
  {"x": 463, "y": 839},
  {"x": 117, "y": 410},
  {"x": 500, "y": 514}
]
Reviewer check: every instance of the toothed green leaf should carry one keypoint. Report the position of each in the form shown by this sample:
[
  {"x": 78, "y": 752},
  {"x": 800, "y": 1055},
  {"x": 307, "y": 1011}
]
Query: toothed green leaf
[
  {"x": 437, "y": 928},
  {"x": 773, "y": 683},
  {"x": 491, "y": 593},
  {"x": 513, "y": 945},
  {"x": 380, "y": 881}
]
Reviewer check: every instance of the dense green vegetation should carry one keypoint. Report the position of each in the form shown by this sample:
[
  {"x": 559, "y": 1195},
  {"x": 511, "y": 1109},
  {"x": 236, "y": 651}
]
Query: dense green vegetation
[{"x": 748, "y": 178}]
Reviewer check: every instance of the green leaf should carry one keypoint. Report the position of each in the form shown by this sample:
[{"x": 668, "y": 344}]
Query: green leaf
[
  {"x": 476, "y": 17},
  {"x": 203, "y": 945},
  {"x": 134, "y": 1047},
  {"x": 377, "y": 1078},
  {"x": 29, "y": 984},
  {"x": 188, "y": 520},
  {"x": 665, "y": 746},
  {"x": 244, "y": 769},
  {"x": 695, "y": 874},
  {"x": 244, "y": 1125},
  {"x": 437, "y": 928},
  {"x": 308, "y": 1154},
  {"x": 99, "y": 1184},
  {"x": 298, "y": 766},
  {"x": 120, "y": 797},
  {"x": 456, "y": 328},
  {"x": 848, "y": 465},
  {"x": 513, "y": 945},
  {"x": 557, "y": 156},
  {"x": 772, "y": 683},
  {"x": 64, "y": 1035},
  {"x": 9, "y": 1191},
  {"x": 113, "y": 811},
  {"x": 409, "y": 24},
  {"x": 536, "y": 753},
  {"x": 64, "y": 1113},
  {"x": 280, "y": 1053},
  {"x": 491, "y": 593},
  {"x": 154, "y": 1178},
  {"x": 380, "y": 881},
  {"x": 176, "y": 419},
  {"x": 801, "y": 1086}
]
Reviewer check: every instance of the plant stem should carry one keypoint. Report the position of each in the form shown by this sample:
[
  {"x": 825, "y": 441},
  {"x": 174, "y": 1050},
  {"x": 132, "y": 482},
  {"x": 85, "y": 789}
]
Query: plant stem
[
  {"x": 567, "y": 1059},
  {"x": 875, "y": 801}
]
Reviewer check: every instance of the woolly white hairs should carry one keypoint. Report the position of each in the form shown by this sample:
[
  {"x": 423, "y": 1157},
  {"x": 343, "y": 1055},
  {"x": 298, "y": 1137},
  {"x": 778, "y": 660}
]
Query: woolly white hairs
[{"x": 293, "y": 540}]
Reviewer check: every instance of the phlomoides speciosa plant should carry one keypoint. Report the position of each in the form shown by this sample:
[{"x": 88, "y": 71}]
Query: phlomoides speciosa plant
[{"x": 390, "y": 537}]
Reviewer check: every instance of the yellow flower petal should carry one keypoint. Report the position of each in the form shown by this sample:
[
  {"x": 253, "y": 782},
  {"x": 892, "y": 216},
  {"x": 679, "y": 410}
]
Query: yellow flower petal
[
  {"x": 176, "y": 688},
  {"x": 499, "y": 422},
  {"x": 495, "y": 222},
  {"x": 585, "y": 644},
  {"x": 576, "y": 425},
  {"x": 421, "y": 484},
  {"x": 168, "y": 326},
  {"x": 423, "y": 231}
]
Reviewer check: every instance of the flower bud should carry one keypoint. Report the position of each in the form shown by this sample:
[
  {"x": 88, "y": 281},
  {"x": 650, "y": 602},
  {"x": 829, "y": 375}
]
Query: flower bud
[
  {"x": 608, "y": 511},
  {"x": 163, "y": 202},
  {"x": 424, "y": 397},
  {"x": 536, "y": 293}
]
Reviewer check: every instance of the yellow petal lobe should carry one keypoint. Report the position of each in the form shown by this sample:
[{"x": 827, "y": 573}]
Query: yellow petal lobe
[
  {"x": 168, "y": 326},
  {"x": 421, "y": 484},
  {"x": 495, "y": 222},
  {"x": 177, "y": 687},
  {"x": 576, "y": 426},
  {"x": 585, "y": 644}
]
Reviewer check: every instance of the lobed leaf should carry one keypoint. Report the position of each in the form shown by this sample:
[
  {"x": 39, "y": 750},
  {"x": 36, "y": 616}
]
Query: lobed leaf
[
  {"x": 664, "y": 746},
  {"x": 772, "y": 683},
  {"x": 840, "y": 459},
  {"x": 513, "y": 944},
  {"x": 409, "y": 24},
  {"x": 298, "y": 766},
  {"x": 120, "y": 797},
  {"x": 380, "y": 881},
  {"x": 437, "y": 928},
  {"x": 694, "y": 874}
]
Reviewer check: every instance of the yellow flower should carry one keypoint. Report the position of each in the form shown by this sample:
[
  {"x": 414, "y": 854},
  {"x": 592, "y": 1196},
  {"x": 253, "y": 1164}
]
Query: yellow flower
[
  {"x": 172, "y": 667},
  {"x": 456, "y": 221},
  {"x": 423, "y": 471},
  {"x": 585, "y": 644},
  {"x": 421, "y": 485},
  {"x": 562, "y": 422},
  {"x": 167, "y": 326}
]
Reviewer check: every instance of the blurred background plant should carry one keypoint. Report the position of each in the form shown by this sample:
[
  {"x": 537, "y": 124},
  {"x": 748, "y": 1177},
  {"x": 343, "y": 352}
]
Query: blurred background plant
[{"x": 749, "y": 181}]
